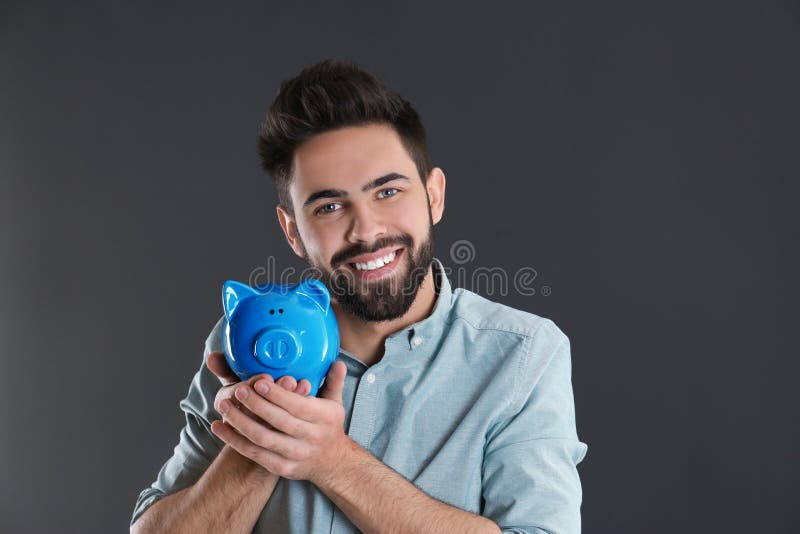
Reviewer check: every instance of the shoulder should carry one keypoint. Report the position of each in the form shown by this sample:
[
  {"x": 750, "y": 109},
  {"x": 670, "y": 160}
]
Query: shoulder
[
  {"x": 520, "y": 340},
  {"x": 528, "y": 351},
  {"x": 480, "y": 313}
]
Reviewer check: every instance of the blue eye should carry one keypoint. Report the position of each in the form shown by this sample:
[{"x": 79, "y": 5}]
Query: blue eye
[
  {"x": 323, "y": 208},
  {"x": 387, "y": 190}
]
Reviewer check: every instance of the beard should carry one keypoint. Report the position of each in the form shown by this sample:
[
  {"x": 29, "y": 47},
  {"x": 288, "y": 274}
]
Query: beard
[{"x": 384, "y": 299}]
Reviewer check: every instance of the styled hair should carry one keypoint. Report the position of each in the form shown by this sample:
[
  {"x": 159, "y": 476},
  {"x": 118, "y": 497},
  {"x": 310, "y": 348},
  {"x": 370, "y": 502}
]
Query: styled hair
[{"x": 328, "y": 95}]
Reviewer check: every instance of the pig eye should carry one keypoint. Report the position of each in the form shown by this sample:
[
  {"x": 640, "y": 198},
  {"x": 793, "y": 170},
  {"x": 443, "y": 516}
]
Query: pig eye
[
  {"x": 272, "y": 312},
  {"x": 280, "y": 310}
]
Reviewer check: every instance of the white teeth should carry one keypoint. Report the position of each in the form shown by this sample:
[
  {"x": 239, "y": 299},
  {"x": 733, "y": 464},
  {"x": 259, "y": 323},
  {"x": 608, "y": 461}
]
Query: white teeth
[{"x": 375, "y": 264}]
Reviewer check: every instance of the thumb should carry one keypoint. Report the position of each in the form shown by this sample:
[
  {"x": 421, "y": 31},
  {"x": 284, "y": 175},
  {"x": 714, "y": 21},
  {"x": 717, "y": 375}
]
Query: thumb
[
  {"x": 334, "y": 382},
  {"x": 217, "y": 364}
]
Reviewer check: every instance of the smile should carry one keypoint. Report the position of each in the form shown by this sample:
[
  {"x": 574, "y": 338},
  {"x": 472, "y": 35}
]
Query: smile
[{"x": 377, "y": 266}]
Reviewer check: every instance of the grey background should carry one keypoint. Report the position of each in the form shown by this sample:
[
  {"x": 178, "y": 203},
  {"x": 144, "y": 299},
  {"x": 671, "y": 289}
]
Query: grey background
[{"x": 642, "y": 157}]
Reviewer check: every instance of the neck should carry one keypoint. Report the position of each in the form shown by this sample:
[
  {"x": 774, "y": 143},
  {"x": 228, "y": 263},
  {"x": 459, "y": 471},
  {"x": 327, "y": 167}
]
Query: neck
[{"x": 365, "y": 339}]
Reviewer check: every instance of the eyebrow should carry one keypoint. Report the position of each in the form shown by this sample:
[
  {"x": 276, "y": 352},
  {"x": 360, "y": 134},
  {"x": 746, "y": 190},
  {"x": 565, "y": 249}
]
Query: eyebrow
[{"x": 336, "y": 193}]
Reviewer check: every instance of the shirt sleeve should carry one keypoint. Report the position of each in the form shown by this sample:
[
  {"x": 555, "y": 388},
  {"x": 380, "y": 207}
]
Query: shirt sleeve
[
  {"x": 530, "y": 477},
  {"x": 197, "y": 445}
]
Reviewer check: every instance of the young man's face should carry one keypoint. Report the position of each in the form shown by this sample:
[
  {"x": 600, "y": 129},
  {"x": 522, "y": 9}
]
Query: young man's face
[{"x": 344, "y": 219}]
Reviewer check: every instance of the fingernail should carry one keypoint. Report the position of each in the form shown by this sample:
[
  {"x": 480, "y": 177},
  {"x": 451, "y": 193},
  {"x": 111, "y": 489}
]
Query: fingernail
[
  {"x": 262, "y": 387},
  {"x": 241, "y": 393},
  {"x": 224, "y": 407}
]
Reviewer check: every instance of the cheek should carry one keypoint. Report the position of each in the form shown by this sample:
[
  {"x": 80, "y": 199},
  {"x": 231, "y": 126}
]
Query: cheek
[
  {"x": 415, "y": 218},
  {"x": 322, "y": 240}
]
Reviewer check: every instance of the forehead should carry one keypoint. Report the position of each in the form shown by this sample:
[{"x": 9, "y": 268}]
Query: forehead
[{"x": 346, "y": 158}]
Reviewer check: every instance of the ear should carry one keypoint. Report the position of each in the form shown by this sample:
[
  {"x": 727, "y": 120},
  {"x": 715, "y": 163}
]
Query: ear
[
  {"x": 316, "y": 291},
  {"x": 232, "y": 294},
  {"x": 289, "y": 227},
  {"x": 435, "y": 188}
]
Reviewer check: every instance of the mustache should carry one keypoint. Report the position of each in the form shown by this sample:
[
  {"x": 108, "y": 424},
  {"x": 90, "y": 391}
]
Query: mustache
[{"x": 356, "y": 250}]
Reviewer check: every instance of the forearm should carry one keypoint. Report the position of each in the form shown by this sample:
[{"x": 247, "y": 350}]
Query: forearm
[
  {"x": 377, "y": 499},
  {"x": 228, "y": 498}
]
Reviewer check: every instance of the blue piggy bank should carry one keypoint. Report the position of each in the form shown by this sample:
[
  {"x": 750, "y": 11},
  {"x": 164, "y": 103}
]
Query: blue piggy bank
[{"x": 280, "y": 329}]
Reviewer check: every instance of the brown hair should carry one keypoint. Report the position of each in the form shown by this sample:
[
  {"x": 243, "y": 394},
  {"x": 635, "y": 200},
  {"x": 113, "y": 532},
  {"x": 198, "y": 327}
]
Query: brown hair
[{"x": 328, "y": 95}]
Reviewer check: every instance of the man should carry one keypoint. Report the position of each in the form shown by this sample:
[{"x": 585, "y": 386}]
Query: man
[{"x": 445, "y": 412}]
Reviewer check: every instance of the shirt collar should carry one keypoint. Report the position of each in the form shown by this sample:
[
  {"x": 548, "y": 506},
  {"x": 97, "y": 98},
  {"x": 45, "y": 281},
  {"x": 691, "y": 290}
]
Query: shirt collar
[{"x": 422, "y": 332}]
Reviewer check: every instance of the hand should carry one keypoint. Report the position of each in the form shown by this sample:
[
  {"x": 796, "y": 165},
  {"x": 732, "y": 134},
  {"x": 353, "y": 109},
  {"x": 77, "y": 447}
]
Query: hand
[
  {"x": 218, "y": 365},
  {"x": 303, "y": 437}
]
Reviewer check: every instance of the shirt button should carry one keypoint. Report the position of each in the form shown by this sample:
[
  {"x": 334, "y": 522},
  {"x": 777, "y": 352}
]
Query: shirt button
[
  {"x": 371, "y": 378},
  {"x": 416, "y": 341}
]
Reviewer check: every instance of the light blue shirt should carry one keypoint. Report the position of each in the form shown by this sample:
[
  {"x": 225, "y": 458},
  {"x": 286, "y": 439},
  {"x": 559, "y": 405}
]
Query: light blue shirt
[{"x": 472, "y": 404}]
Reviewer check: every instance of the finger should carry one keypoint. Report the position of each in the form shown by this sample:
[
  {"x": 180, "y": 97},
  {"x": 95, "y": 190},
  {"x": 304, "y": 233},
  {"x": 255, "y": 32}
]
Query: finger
[
  {"x": 288, "y": 382},
  {"x": 260, "y": 435},
  {"x": 218, "y": 365},
  {"x": 334, "y": 383},
  {"x": 228, "y": 392},
  {"x": 284, "y": 383},
  {"x": 267, "y": 409},
  {"x": 303, "y": 387}
]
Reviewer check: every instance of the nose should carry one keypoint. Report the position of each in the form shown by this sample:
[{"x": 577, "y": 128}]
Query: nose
[
  {"x": 277, "y": 347},
  {"x": 365, "y": 226}
]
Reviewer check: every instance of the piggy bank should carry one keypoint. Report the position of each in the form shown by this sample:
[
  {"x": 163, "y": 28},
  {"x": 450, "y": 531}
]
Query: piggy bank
[{"x": 280, "y": 329}]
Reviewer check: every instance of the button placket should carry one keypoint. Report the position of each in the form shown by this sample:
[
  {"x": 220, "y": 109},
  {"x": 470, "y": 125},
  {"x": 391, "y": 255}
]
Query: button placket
[{"x": 362, "y": 420}]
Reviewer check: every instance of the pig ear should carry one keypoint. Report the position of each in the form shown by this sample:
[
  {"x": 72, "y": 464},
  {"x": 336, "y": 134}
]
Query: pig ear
[
  {"x": 232, "y": 294},
  {"x": 316, "y": 291}
]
